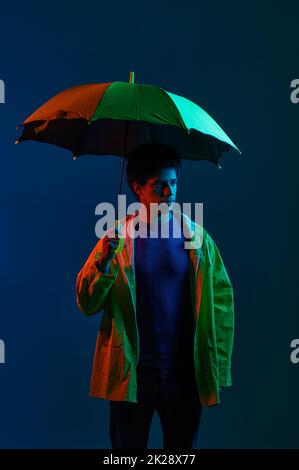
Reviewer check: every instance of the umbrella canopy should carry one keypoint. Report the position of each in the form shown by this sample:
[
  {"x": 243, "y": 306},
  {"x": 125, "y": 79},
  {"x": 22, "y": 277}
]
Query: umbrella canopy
[{"x": 113, "y": 118}]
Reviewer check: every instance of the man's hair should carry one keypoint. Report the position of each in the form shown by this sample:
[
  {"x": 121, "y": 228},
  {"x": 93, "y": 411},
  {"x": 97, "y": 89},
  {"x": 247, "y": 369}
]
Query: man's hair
[{"x": 146, "y": 160}]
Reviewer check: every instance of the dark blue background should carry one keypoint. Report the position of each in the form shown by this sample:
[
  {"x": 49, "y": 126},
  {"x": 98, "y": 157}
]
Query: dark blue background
[{"x": 236, "y": 60}]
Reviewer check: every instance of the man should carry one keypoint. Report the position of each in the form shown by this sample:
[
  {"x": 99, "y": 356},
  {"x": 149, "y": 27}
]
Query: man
[{"x": 166, "y": 336}]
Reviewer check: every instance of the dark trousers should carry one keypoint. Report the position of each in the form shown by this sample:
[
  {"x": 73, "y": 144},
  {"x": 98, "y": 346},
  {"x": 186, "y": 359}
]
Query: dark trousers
[{"x": 170, "y": 392}]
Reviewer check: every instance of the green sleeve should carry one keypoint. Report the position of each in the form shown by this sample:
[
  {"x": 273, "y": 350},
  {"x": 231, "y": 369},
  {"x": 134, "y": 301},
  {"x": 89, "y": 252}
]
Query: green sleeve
[{"x": 224, "y": 317}]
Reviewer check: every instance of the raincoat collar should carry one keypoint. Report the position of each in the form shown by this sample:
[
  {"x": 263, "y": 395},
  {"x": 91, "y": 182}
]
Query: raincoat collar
[{"x": 190, "y": 228}]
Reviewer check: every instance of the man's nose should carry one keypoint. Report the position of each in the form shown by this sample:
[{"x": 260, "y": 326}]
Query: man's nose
[{"x": 167, "y": 190}]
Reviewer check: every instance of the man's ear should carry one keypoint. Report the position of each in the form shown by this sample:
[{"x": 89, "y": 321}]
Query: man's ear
[{"x": 136, "y": 187}]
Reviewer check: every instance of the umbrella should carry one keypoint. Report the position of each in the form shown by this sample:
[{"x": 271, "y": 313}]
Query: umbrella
[{"x": 113, "y": 118}]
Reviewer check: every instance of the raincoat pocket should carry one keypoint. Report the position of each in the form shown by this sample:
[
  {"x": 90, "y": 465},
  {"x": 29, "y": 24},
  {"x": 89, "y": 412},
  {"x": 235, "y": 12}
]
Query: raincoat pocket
[{"x": 109, "y": 353}]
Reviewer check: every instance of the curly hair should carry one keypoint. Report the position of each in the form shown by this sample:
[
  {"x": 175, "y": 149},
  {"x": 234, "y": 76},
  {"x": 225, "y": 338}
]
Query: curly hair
[{"x": 146, "y": 160}]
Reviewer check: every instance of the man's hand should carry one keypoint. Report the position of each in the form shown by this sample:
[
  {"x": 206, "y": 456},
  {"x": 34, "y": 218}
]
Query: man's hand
[{"x": 110, "y": 245}]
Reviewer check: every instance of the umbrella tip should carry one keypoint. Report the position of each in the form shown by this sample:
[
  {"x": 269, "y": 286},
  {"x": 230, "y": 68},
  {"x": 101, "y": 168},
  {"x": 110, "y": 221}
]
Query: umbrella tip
[{"x": 132, "y": 77}]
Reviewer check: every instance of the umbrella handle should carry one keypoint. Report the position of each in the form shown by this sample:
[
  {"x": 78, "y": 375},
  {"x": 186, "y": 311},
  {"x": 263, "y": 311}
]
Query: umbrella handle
[
  {"x": 120, "y": 245},
  {"x": 121, "y": 240}
]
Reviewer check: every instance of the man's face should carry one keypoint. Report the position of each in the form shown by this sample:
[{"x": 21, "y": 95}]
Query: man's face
[{"x": 160, "y": 188}]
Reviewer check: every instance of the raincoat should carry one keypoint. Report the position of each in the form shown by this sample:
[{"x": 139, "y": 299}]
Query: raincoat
[{"x": 117, "y": 349}]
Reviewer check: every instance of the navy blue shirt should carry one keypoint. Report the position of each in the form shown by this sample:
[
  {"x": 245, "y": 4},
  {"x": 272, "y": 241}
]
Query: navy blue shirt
[{"x": 164, "y": 311}]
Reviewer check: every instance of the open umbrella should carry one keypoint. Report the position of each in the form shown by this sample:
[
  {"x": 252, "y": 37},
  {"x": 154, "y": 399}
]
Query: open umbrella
[{"x": 113, "y": 118}]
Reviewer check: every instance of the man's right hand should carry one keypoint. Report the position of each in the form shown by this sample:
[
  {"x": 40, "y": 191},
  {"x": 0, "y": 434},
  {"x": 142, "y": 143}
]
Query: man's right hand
[{"x": 110, "y": 245}]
